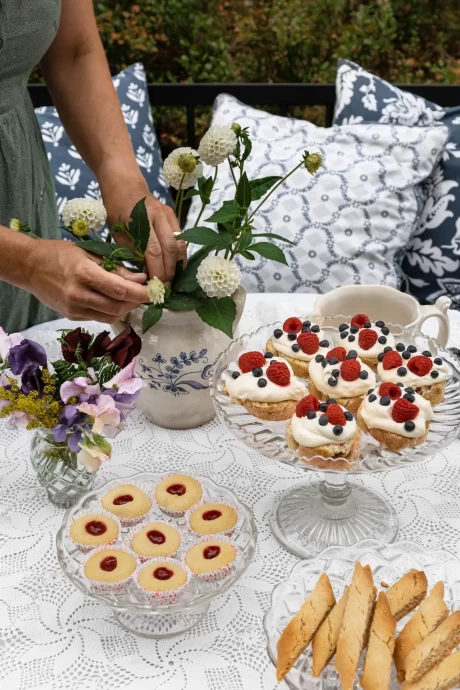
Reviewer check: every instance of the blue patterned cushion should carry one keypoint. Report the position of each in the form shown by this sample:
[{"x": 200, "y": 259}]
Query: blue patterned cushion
[
  {"x": 72, "y": 177},
  {"x": 431, "y": 266}
]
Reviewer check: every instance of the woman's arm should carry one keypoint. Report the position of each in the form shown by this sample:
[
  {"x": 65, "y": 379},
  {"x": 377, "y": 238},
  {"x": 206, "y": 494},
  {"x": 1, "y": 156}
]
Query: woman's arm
[{"x": 78, "y": 77}]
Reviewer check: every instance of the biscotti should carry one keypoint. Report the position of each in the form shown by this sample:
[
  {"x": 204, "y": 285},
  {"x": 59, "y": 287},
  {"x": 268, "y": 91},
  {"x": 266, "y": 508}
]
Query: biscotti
[
  {"x": 299, "y": 632},
  {"x": 433, "y": 649},
  {"x": 379, "y": 657},
  {"x": 324, "y": 642},
  {"x": 406, "y": 594},
  {"x": 442, "y": 677}
]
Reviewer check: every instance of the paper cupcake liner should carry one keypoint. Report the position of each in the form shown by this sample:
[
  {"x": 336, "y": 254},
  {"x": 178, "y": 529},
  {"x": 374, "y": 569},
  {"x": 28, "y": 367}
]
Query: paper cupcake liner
[
  {"x": 223, "y": 571},
  {"x": 174, "y": 513},
  {"x": 127, "y": 521},
  {"x": 86, "y": 548},
  {"x": 169, "y": 596},
  {"x": 207, "y": 501},
  {"x": 138, "y": 528},
  {"x": 109, "y": 587}
]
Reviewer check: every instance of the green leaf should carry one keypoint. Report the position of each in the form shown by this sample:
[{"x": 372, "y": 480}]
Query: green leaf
[
  {"x": 191, "y": 192},
  {"x": 260, "y": 186},
  {"x": 243, "y": 192},
  {"x": 229, "y": 211},
  {"x": 185, "y": 278},
  {"x": 248, "y": 255},
  {"x": 181, "y": 302},
  {"x": 274, "y": 237},
  {"x": 269, "y": 251},
  {"x": 205, "y": 186},
  {"x": 219, "y": 313},
  {"x": 247, "y": 145},
  {"x": 139, "y": 226},
  {"x": 245, "y": 241},
  {"x": 206, "y": 237},
  {"x": 151, "y": 315},
  {"x": 104, "y": 249}
]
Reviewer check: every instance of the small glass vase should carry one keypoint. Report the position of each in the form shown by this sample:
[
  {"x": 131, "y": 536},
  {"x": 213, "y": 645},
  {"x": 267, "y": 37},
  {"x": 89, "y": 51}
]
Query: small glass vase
[{"x": 57, "y": 469}]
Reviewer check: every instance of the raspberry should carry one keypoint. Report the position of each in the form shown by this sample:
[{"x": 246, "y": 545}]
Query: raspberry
[
  {"x": 308, "y": 404},
  {"x": 350, "y": 369},
  {"x": 367, "y": 338},
  {"x": 359, "y": 320},
  {"x": 391, "y": 360},
  {"x": 278, "y": 373},
  {"x": 336, "y": 415},
  {"x": 309, "y": 343},
  {"x": 420, "y": 365},
  {"x": 391, "y": 390},
  {"x": 251, "y": 360},
  {"x": 338, "y": 352},
  {"x": 404, "y": 411},
  {"x": 292, "y": 325}
]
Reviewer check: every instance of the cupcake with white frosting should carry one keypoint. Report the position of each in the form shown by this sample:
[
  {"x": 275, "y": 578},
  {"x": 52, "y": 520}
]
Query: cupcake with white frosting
[
  {"x": 396, "y": 416},
  {"x": 266, "y": 386},
  {"x": 342, "y": 376},
  {"x": 326, "y": 433},
  {"x": 423, "y": 371},
  {"x": 298, "y": 342},
  {"x": 366, "y": 338}
]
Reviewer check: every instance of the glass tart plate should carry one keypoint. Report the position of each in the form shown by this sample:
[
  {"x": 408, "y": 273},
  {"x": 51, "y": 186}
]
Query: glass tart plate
[
  {"x": 333, "y": 511},
  {"x": 389, "y": 562},
  {"x": 132, "y": 612}
]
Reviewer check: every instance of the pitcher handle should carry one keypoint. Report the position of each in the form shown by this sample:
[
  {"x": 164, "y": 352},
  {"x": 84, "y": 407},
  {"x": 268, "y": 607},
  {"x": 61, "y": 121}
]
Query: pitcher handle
[{"x": 439, "y": 311}]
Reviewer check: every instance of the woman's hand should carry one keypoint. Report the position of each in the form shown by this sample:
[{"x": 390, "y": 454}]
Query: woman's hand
[{"x": 69, "y": 280}]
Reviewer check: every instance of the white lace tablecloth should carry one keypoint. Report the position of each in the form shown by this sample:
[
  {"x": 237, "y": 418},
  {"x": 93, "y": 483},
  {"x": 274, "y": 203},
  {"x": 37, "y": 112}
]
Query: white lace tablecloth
[{"x": 53, "y": 638}]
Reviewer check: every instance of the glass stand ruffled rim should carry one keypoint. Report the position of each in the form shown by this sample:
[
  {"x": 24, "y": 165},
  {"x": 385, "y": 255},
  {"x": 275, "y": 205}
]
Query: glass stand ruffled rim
[{"x": 333, "y": 511}]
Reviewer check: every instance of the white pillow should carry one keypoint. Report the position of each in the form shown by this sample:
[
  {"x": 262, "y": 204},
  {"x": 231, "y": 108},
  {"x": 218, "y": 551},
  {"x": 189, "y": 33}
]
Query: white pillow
[{"x": 351, "y": 221}]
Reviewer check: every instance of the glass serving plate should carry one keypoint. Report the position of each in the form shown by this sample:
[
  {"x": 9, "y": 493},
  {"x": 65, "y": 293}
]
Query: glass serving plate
[
  {"x": 333, "y": 511},
  {"x": 131, "y": 611},
  {"x": 389, "y": 562}
]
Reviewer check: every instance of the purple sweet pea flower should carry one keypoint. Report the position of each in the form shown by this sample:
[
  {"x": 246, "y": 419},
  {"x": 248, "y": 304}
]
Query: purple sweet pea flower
[
  {"x": 79, "y": 386},
  {"x": 24, "y": 355},
  {"x": 71, "y": 427},
  {"x": 126, "y": 381},
  {"x": 8, "y": 341},
  {"x": 123, "y": 401},
  {"x": 32, "y": 380}
]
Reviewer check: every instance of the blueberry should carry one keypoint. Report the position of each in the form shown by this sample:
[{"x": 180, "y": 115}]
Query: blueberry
[
  {"x": 324, "y": 343},
  {"x": 306, "y": 323},
  {"x": 306, "y": 329},
  {"x": 311, "y": 414},
  {"x": 334, "y": 360},
  {"x": 295, "y": 347},
  {"x": 354, "y": 329},
  {"x": 367, "y": 324},
  {"x": 235, "y": 374},
  {"x": 352, "y": 354},
  {"x": 335, "y": 372},
  {"x": 324, "y": 363},
  {"x": 351, "y": 338},
  {"x": 409, "y": 426},
  {"x": 331, "y": 401},
  {"x": 408, "y": 389},
  {"x": 412, "y": 348},
  {"x": 387, "y": 348},
  {"x": 406, "y": 355},
  {"x": 382, "y": 340},
  {"x": 331, "y": 381},
  {"x": 434, "y": 374},
  {"x": 343, "y": 327},
  {"x": 371, "y": 390},
  {"x": 380, "y": 324},
  {"x": 257, "y": 371},
  {"x": 319, "y": 358},
  {"x": 409, "y": 397},
  {"x": 385, "y": 330},
  {"x": 401, "y": 385},
  {"x": 344, "y": 334},
  {"x": 348, "y": 416},
  {"x": 400, "y": 347},
  {"x": 438, "y": 361},
  {"x": 337, "y": 429},
  {"x": 292, "y": 336},
  {"x": 372, "y": 398},
  {"x": 315, "y": 329},
  {"x": 363, "y": 375},
  {"x": 278, "y": 333},
  {"x": 323, "y": 420},
  {"x": 262, "y": 383},
  {"x": 402, "y": 371},
  {"x": 385, "y": 400},
  {"x": 427, "y": 353},
  {"x": 268, "y": 355},
  {"x": 323, "y": 407},
  {"x": 380, "y": 357}
]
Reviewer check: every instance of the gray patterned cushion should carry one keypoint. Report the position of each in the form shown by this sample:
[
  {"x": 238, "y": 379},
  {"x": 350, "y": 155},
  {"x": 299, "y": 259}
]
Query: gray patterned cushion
[{"x": 353, "y": 220}]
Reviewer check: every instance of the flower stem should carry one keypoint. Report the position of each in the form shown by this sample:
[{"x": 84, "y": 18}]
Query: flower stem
[
  {"x": 178, "y": 195},
  {"x": 179, "y": 215},
  {"x": 280, "y": 182},
  {"x": 231, "y": 170}
]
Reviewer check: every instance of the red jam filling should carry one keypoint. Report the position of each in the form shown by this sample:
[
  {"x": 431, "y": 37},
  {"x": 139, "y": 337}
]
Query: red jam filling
[
  {"x": 156, "y": 537},
  {"x": 96, "y": 528},
  {"x": 121, "y": 500},
  {"x": 108, "y": 564},
  {"x": 211, "y": 552},
  {"x": 162, "y": 573},
  {"x": 176, "y": 489},
  {"x": 211, "y": 515}
]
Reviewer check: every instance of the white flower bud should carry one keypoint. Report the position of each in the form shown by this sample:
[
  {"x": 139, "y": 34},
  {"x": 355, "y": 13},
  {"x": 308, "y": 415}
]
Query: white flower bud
[
  {"x": 218, "y": 277},
  {"x": 217, "y": 145},
  {"x": 156, "y": 291},
  {"x": 89, "y": 210}
]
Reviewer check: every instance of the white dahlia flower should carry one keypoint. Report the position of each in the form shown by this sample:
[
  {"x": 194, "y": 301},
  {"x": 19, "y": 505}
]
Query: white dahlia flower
[
  {"x": 156, "y": 291},
  {"x": 89, "y": 210},
  {"x": 173, "y": 171},
  {"x": 218, "y": 277},
  {"x": 217, "y": 144}
]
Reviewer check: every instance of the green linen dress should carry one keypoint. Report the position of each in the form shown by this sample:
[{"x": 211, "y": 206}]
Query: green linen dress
[{"x": 27, "y": 29}]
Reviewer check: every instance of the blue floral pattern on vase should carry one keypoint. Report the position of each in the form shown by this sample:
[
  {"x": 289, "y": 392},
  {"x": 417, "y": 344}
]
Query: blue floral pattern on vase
[{"x": 175, "y": 377}]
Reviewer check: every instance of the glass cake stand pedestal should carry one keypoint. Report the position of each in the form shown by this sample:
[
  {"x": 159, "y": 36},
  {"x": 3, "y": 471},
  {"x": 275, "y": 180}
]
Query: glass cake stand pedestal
[{"x": 333, "y": 511}]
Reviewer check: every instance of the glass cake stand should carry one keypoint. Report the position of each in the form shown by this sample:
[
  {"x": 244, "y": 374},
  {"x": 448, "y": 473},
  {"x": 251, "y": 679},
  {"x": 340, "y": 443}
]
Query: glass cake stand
[
  {"x": 333, "y": 511},
  {"x": 389, "y": 562},
  {"x": 131, "y": 611}
]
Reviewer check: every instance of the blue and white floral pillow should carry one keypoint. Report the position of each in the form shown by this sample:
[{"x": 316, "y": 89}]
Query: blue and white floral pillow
[
  {"x": 72, "y": 177},
  {"x": 431, "y": 266}
]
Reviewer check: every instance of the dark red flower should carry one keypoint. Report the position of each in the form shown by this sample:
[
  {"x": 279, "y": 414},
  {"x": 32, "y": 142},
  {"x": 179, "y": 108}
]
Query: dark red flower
[
  {"x": 99, "y": 346},
  {"x": 70, "y": 343},
  {"x": 125, "y": 347}
]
